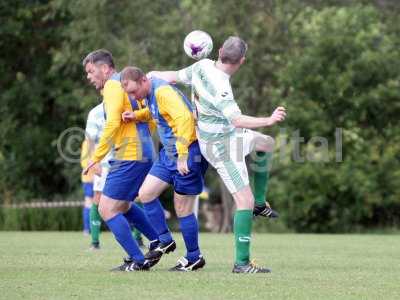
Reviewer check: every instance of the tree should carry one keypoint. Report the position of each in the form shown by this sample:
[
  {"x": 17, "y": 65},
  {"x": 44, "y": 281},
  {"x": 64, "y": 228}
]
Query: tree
[{"x": 344, "y": 73}]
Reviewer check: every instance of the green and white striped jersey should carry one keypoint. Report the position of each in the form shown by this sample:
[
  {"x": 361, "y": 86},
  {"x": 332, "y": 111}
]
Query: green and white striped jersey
[
  {"x": 94, "y": 128},
  {"x": 213, "y": 100}
]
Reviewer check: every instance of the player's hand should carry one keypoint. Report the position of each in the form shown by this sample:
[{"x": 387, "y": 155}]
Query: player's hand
[
  {"x": 182, "y": 165},
  {"x": 278, "y": 115},
  {"x": 128, "y": 116},
  {"x": 88, "y": 167}
]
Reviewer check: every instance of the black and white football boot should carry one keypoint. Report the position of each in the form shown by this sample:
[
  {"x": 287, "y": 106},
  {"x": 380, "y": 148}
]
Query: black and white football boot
[
  {"x": 265, "y": 211},
  {"x": 184, "y": 265},
  {"x": 157, "y": 250},
  {"x": 130, "y": 266}
]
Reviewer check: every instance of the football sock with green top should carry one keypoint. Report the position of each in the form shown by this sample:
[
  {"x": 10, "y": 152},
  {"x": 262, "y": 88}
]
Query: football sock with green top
[
  {"x": 261, "y": 176},
  {"x": 242, "y": 229},
  {"x": 95, "y": 223}
]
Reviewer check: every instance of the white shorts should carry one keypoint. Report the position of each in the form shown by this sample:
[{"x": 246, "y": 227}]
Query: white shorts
[
  {"x": 228, "y": 157},
  {"x": 99, "y": 181}
]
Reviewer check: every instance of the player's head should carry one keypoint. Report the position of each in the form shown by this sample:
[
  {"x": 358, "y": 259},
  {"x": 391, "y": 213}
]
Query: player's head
[
  {"x": 99, "y": 66},
  {"x": 233, "y": 51},
  {"x": 135, "y": 82}
]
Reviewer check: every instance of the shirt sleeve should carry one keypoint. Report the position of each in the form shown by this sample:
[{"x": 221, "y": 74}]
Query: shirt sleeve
[
  {"x": 185, "y": 75},
  {"x": 143, "y": 115},
  {"x": 113, "y": 98},
  {"x": 226, "y": 103},
  {"x": 170, "y": 103},
  {"x": 92, "y": 129}
]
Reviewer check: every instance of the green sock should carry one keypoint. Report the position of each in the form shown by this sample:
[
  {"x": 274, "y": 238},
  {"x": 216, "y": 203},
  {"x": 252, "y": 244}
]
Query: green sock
[
  {"x": 95, "y": 223},
  {"x": 137, "y": 234},
  {"x": 242, "y": 222},
  {"x": 260, "y": 177}
]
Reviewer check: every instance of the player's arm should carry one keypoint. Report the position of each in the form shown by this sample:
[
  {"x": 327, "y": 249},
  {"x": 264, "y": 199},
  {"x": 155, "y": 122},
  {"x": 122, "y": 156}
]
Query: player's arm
[
  {"x": 244, "y": 121},
  {"x": 140, "y": 115},
  {"x": 227, "y": 105},
  {"x": 143, "y": 114},
  {"x": 182, "y": 76},
  {"x": 169, "y": 76},
  {"x": 84, "y": 159},
  {"x": 113, "y": 97},
  {"x": 170, "y": 103}
]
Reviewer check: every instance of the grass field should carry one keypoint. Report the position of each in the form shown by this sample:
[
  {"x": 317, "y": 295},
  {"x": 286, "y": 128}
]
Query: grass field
[{"x": 56, "y": 265}]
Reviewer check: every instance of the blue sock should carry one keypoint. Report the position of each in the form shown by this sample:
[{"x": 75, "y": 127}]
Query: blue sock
[
  {"x": 86, "y": 218},
  {"x": 138, "y": 218},
  {"x": 155, "y": 212},
  {"x": 190, "y": 232},
  {"x": 122, "y": 233}
]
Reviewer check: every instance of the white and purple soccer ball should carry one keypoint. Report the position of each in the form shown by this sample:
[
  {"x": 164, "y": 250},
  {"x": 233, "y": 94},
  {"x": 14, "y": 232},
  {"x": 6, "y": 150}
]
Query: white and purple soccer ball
[{"x": 198, "y": 44}]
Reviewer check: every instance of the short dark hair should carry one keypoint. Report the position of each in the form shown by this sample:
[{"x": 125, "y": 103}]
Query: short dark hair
[
  {"x": 100, "y": 56},
  {"x": 233, "y": 49},
  {"x": 132, "y": 73}
]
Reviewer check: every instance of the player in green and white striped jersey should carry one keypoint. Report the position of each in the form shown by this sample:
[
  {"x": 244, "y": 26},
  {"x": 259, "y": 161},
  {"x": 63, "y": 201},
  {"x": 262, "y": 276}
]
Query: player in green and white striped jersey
[{"x": 225, "y": 138}]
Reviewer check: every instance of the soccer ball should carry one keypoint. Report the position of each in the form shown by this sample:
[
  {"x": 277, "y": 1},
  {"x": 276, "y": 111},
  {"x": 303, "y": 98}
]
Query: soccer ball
[{"x": 198, "y": 44}]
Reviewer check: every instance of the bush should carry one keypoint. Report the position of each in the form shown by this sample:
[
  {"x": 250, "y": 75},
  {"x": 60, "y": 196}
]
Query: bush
[{"x": 65, "y": 218}]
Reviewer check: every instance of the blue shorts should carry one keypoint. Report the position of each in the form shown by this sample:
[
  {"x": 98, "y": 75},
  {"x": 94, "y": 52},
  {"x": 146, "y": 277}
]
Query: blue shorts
[
  {"x": 88, "y": 189},
  {"x": 125, "y": 178},
  {"x": 190, "y": 184}
]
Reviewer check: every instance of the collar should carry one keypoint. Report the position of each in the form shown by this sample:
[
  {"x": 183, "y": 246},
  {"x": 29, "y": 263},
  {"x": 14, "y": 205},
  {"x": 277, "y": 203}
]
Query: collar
[{"x": 222, "y": 73}]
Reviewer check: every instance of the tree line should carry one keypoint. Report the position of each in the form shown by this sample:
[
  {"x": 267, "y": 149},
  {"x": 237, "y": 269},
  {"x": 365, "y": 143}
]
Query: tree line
[{"x": 333, "y": 64}]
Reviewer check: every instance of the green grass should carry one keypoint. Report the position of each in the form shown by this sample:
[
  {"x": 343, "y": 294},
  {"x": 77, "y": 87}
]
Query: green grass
[{"x": 56, "y": 265}]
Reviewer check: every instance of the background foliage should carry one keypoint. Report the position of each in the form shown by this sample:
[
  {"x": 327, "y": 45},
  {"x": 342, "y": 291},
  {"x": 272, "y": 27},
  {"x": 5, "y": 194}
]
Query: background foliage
[{"x": 333, "y": 64}]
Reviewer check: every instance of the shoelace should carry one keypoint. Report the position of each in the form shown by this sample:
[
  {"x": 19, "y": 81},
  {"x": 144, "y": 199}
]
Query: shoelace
[{"x": 253, "y": 264}]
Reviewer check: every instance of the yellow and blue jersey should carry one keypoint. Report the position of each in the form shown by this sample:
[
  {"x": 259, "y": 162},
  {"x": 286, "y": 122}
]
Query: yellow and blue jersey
[
  {"x": 131, "y": 141},
  {"x": 173, "y": 113}
]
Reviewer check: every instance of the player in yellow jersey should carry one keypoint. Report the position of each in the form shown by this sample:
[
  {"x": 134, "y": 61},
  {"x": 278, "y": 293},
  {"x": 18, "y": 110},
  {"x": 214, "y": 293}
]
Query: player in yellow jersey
[
  {"x": 133, "y": 158},
  {"x": 179, "y": 164}
]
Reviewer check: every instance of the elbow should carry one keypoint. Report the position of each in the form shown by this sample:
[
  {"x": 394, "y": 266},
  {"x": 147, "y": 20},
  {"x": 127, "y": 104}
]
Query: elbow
[{"x": 236, "y": 122}]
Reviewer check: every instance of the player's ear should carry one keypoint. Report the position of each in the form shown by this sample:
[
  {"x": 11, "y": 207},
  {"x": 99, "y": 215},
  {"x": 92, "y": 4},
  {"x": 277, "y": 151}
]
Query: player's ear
[
  {"x": 242, "y": 60},
  {"x": 104, "y": 68},
  {"x": 220, "y": 52}
]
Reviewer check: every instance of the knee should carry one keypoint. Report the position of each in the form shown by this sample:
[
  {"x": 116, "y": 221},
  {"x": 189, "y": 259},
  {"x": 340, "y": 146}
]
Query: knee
[
  {"x": 183, "y": 208},
  {"x": 103, "y": 211},
  {"x": 266, "y": 144},
  {"x": 245, "y": 203},
  {"x": 182, "y": 211},
  {"x": 109, "y": 208},
  {"x": 244, "y": 199},
  {"x": 144, "y": 196}
]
